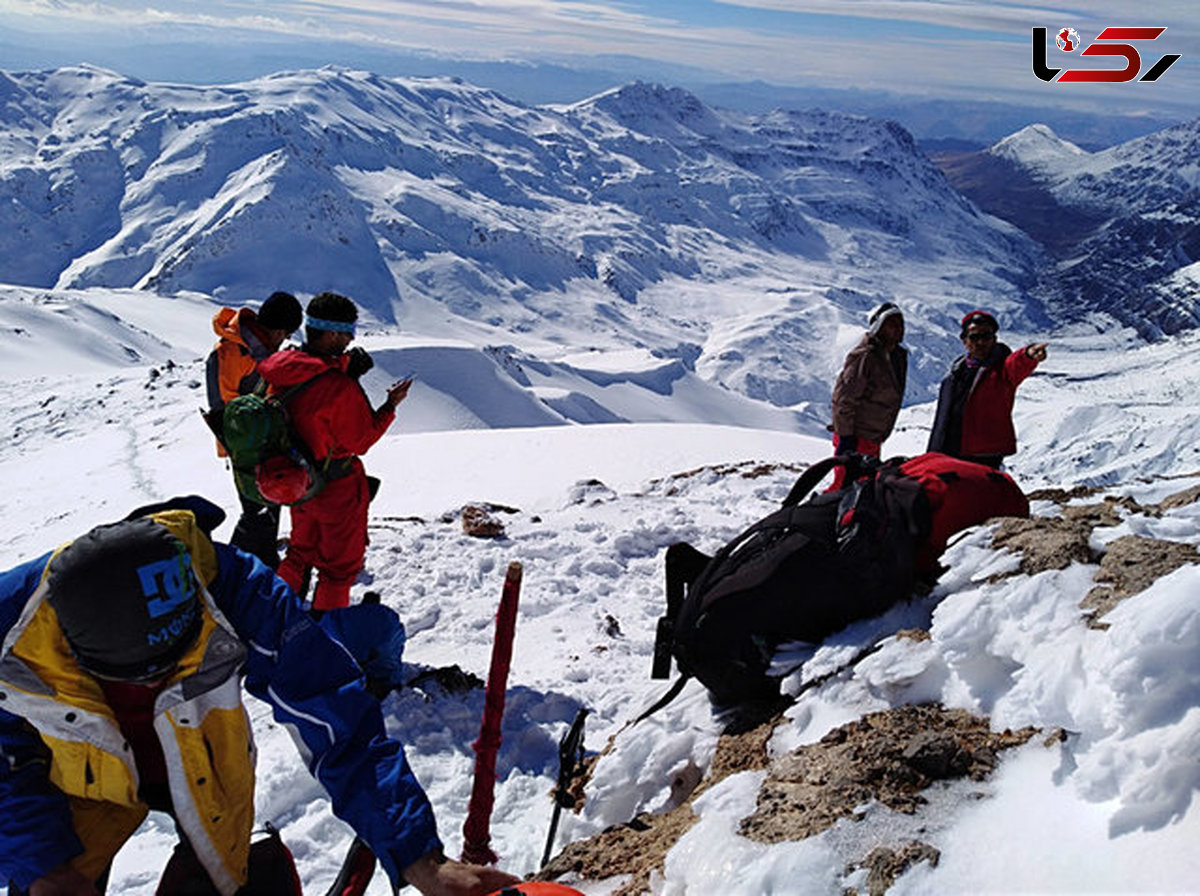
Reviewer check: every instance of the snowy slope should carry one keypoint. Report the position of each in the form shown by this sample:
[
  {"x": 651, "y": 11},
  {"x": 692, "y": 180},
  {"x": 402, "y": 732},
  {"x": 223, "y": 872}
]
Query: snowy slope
[
  {"x": 1107, "y": 806},
  {"x": 747, "y": 247}
]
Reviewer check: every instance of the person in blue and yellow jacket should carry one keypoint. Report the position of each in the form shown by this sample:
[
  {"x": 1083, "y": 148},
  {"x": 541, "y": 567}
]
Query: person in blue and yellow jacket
[{"x": 123, "y": 656}]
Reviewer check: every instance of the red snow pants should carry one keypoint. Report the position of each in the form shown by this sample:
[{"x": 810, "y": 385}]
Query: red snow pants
[
  {"x": 864, "y": 446},
  {"x": 329, "y": 534}
]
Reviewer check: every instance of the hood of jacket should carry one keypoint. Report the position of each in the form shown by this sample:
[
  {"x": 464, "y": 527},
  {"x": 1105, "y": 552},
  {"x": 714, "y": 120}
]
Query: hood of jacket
[
  {"x": 231, "y": 323},
  {"x": 294, "y": 366}
]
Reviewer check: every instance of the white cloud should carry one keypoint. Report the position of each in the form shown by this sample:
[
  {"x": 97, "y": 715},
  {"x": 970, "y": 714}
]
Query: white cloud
[{"x": 983, "y": 53}]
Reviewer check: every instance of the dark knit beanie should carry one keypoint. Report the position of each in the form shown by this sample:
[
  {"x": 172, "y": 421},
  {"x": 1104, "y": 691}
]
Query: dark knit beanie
[
  {"x": 126, "y": 599},
  {"x": 281, "y": 311}
]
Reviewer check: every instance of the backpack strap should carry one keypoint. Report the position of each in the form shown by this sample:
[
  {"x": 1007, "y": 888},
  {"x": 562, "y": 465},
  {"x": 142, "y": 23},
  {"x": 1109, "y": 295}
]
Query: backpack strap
[
  {"x": 814, "y": 474},
  {"x": 664, "y": 699},
  {"x": 290, "y": 393},
  {"x": 684, "y": 564},
  {"x": 285, "y": 398}
]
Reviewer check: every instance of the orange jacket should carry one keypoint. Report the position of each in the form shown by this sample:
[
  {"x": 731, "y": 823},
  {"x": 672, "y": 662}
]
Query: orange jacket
[{"x": 232, "y": 366}]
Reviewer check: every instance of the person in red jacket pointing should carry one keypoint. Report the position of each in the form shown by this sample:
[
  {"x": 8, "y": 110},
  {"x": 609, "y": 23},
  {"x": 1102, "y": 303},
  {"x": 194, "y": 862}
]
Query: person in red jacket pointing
[
  {"x": 335, "y": 420},
  {"x": 973, "y": 420}
]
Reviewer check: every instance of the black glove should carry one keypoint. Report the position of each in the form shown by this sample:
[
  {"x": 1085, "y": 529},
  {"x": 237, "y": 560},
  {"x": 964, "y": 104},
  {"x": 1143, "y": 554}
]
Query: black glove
[
  {"x": 358, "y": 363},
  {"x": 846, "y": 445}
]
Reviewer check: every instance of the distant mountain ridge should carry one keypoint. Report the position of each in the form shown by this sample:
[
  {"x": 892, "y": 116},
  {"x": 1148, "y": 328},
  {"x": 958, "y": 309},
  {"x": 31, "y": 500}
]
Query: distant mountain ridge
[
  {"x": 1123, "y": 223},
  {"x": 747, "y": 247}
]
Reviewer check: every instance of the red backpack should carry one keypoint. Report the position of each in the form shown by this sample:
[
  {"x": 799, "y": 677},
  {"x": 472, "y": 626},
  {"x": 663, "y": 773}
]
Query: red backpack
[{"x": 961, "y": 494}]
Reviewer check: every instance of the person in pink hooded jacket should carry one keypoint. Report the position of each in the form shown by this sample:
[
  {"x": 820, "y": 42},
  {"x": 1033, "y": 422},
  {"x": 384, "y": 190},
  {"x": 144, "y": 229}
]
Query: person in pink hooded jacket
[{"x": 335, "y": 420}]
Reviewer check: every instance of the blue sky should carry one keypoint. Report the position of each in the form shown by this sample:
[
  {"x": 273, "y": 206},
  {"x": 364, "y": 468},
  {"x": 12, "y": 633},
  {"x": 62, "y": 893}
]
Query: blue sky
[{"x": 926, "y": 48}]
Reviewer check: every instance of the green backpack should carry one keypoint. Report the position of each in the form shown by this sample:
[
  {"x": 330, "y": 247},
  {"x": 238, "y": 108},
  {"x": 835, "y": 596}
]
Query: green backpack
[{"x": 271, "y": 465}]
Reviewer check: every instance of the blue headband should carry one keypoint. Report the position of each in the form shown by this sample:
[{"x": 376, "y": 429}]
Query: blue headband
[{"x": 337, "y": 326}]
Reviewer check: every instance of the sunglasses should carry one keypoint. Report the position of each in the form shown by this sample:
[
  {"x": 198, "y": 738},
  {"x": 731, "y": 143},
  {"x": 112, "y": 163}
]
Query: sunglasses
[{"x": 981, "y": 337}]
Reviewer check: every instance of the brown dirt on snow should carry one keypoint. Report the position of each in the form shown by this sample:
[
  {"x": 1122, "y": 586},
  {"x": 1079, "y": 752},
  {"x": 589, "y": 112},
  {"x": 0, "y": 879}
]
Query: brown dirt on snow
[
  {"x": 888, "y": 756},
  {"x": 640, "y": 846},
  {"x": 1131, "y": 565},
  {"x": 1044, "y": 543},
  {"x": 885, "y": 864}
]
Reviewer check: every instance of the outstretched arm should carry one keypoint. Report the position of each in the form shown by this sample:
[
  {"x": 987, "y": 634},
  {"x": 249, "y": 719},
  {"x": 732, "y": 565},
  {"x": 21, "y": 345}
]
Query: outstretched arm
[
  {"x": 317, "y": 691},
  {"x": 1020, "y": 364}
]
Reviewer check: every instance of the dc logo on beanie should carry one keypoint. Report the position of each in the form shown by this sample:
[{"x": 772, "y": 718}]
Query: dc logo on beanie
[
  {"x": 167, "y": 584},
  {"x": 169, "y": 587}
]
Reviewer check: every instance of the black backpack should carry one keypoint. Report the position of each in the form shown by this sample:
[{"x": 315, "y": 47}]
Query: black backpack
[{"x": 800, "y": 574}]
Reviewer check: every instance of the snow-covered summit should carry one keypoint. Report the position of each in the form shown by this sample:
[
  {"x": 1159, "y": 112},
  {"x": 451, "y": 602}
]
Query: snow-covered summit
[
  {"x": 1037, "y": 147},
  {"x": 1120, "y": 223}
]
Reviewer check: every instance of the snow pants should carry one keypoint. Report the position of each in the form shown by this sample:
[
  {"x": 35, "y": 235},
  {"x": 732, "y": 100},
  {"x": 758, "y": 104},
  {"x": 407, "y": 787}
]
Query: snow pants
[
  {"x": 863, "y": 446},
  {"x": 329, "y": 534}
]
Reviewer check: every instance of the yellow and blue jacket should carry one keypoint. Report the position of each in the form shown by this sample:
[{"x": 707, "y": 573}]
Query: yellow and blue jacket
[{"x": 68, "y": 782}]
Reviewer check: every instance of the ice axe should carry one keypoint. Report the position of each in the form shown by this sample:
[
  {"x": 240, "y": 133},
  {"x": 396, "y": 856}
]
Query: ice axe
[
  {"x": 476, "y": 835},
  {"x": 570, "y": 756}
]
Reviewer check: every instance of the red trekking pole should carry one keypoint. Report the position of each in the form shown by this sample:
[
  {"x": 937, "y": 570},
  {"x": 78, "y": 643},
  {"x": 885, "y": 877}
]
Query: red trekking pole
[{"x": 476, "y": 836}]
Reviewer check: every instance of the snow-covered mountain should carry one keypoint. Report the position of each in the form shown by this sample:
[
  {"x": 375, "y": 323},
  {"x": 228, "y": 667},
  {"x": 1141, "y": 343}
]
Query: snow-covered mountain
[
  {"x": 1038, "y": 148},
  {"x": 745, "y": 248},
  {"x": 1033, "y": 728},
  {"x": 1123, "y": 223},
  {"x": 685, "y": 281}
]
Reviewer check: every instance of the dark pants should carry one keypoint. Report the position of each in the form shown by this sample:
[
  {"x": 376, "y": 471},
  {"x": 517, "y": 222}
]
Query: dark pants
[
  {"x": 272, "y": 871},
  {"x": 257, "y": 531}
]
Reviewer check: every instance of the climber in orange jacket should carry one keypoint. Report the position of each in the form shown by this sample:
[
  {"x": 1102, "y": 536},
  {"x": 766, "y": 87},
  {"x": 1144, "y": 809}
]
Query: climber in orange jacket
[{"x": 245, "y": 338}]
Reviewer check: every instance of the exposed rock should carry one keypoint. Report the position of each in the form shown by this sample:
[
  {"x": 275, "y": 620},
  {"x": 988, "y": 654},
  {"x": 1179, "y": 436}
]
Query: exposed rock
[
  {"x": 641, "y": 846},
  {"x": 447, "y": 679},
  {"x": 885, "y": 864},
  {"x": 478, "y": 522},
  {"x": 1044, "y": 542},
  {"x": 1180, "y": 499},
  {"x": 887, "y": 757},
  {"x": 1105, "y": 513},
  {"x": 1062, "y": 496},
  {"x": 1132, "y": 564}
]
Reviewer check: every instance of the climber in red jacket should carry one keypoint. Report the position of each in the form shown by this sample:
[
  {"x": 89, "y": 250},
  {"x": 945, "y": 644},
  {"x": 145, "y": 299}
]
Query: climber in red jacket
[
  {"x": 334, "y": 419},
  {"x": 974, "y": 411}
]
